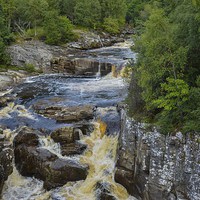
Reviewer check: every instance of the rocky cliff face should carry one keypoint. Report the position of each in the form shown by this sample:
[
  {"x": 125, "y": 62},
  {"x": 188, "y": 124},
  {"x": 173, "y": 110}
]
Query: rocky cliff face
[
  {"x": 153, "y": 166},
  {"x": 6, "y": 157},
  {"x": 56, "y": 59}
]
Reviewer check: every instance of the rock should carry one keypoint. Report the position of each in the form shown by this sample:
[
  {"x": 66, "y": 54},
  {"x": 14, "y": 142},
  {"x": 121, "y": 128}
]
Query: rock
[
  {"x": 32, "y": 160},
  {"x": 154, "y": 166},
  {"x": 103, "y": 191},
  {"x": 73, "y": 149},
  {"x": 10, "y": 78},
  {"x": 84, "y": 128},
  {"x": 6, "y": 157},
  {"x": 31, "y": 52},
  {"x": 79, "y": 66},
  {"x": 65, "y": 135},
  {"x": 68, "y": 138},
  {"x": 63, "y": 171},
  {"x": 5, "y": 81},
  {"x": 4, "y": 100},
  {"x": 66, "y": 114},
  {"x": 27, "y": 136},
  {"x": 111, "y": 117}
]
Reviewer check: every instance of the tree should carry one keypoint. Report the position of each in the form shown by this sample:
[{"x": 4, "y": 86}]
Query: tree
[
  {"x": 5, "y": 39},
  {"x": 58, "y": 29},
  {"x": 113, "y": 9},
  {"x": 87, "y": 13},
  {"x": 32, "y": 11},
  {"x": 67, "y": 8}
]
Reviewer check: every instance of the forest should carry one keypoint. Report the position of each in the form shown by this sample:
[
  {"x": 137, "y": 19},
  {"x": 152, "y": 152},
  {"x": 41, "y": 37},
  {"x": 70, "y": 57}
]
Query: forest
[{"x": 165, "y": 81}]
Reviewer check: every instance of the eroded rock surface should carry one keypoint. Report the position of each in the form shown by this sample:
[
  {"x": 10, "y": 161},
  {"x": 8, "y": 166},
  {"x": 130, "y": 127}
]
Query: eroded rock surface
[
  {"x": 68, "y": 138},
  {"x": 32, "y": 160},
  {"x": 66, "y": 114},
  {"x": 6, "y": 157},
  {"x": 154, "y": 166}
]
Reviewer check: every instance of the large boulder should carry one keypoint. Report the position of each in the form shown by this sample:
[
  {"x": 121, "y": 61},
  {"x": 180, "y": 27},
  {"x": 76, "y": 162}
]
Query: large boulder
[{"x": 33, "y": 160}]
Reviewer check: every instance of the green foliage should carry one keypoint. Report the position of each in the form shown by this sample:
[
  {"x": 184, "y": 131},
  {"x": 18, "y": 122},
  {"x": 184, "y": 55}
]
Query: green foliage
[
  {"x": 87, "y": 13},
  {"x": 67, "y": 8},
  {"x": 176, "y": 93},
  {"x": 27, "y": 67},
  {"x": 115, "y": 9},
  {"x": 167, "y": 69},
  {"x": 58, "y": 29},
  {"x": 5, "y": 39},
  {"x": 111, "y": 25}
]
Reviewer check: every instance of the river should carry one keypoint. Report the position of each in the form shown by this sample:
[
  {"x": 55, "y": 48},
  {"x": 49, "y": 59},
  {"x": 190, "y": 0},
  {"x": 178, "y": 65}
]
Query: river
[{"x": 59, "y": 90}]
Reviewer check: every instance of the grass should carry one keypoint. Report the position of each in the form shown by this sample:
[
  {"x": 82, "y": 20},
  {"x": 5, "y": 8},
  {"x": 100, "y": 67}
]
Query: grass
[{"x": 28, "y": 68}]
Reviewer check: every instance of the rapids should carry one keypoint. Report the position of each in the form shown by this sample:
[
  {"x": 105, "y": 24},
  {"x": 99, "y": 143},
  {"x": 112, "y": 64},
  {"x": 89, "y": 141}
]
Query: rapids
[{"x": 103, "y": 93}]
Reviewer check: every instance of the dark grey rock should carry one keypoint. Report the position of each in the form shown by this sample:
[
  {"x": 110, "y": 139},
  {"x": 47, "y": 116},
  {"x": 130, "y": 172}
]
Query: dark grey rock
[
  {"x": 32, "y": 160},
  {"x": 154, "y": 166},
  {"x": 6, "y": 157}
]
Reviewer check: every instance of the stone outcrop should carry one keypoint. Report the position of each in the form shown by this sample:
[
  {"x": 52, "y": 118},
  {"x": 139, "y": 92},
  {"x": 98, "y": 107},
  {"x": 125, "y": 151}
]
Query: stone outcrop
[
  {"x": 103, "y": 191},
  {"x": 154, "y": 166},
  {"x": 79, "y": 66},
  {"x": 10, "y": 78},
  {"x": 32, "y": 52},
  {"x": 91, "y": 40},
  {"x": 68, "y": 138},
  {"x": 32, "y": 160},
  {"x": 72, "y": 58},
  {"x": 66, "y": 114},
  {"x": 6, "y": 157}
]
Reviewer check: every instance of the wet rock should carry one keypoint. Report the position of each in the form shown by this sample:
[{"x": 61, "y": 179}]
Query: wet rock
[
  {"x": 66, "y": 114},
  {"x": 103, "y": 191},
  {"x": 4, "y": 100},
  {"x": 46, "y": 166},
  {"x": 111, "y": 117},
  {"x": 68, "y": 138},
  {"x": 84, "y": 128},
  {"x": 62, "y": 171},
  {"x": 73, "y": 149},
  {"x": 65, "y": 135},
  {"x": 6, "y": 157},
  {"x": 82, "y": 66},
  {"x": 154, "y": 166},
  {"x": 10, "y": 78},
  {"x": 27, "y": 136},
  {"x": 32, "y": 160}
]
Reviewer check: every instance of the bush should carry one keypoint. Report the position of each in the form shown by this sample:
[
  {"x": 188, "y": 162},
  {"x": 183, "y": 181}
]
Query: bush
[
  {"x": 57, "y": 29},
  {"x": 111, "y": 25}
]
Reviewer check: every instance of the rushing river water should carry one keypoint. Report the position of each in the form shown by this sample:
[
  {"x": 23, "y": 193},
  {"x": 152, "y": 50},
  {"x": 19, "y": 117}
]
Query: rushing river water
[{"x": 59, "y": 90}]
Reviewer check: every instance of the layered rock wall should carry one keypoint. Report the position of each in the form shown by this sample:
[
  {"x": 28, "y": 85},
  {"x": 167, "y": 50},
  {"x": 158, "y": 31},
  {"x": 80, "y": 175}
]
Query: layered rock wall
[{"x": 153, "y": 166}]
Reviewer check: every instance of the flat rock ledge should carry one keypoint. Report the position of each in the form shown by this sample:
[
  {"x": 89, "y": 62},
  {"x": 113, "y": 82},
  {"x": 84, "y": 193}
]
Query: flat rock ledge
[{"x": 66, "y": 114}]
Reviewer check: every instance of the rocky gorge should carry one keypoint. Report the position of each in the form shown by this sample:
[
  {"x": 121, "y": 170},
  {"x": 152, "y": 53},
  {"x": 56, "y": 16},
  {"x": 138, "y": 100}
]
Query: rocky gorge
[{"x": 66, "y": 133}]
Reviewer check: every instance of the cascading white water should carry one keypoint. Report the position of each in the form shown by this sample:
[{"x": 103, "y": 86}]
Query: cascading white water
[{"x": 100, "y": 155}]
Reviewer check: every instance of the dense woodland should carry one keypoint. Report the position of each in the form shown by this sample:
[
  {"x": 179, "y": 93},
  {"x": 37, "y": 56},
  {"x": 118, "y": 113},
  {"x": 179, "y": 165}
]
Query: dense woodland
[{"x": 165, "y": 83}]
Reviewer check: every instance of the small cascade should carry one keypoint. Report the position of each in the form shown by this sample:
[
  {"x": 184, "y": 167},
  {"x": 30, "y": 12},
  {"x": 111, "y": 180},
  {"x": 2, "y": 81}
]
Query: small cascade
[
  {"x": 101, "y": 41},
  {"x": 101, "y": 157},
  {"x": 18, "y": 187},
  {"x": 98, "y": 74},
  {"x": 49, "y": 144}
]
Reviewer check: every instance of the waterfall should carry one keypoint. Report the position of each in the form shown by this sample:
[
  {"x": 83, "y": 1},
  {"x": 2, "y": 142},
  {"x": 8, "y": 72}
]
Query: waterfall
[{"x": 98, "y": 74}]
